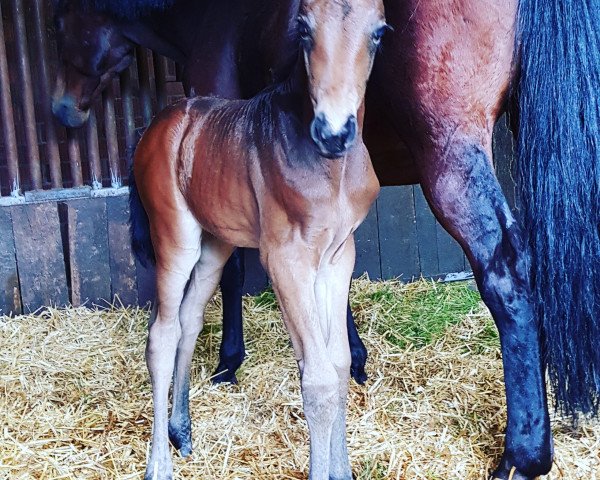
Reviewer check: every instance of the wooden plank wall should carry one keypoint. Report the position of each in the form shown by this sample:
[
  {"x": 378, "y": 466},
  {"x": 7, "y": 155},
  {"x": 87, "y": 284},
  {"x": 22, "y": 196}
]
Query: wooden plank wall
[{"x": 76, "y": 250}]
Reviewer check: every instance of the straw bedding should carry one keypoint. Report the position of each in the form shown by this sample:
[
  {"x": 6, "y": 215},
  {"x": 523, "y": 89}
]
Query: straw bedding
[{"x": 75, "y": 399}]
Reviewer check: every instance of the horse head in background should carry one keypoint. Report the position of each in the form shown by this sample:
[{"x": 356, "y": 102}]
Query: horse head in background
[{"x": 96, "y": 40}]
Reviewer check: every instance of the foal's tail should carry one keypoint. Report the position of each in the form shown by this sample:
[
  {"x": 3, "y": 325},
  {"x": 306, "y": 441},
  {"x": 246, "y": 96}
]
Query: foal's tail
[
  {"x": 139, "y": 226},
  {"x": 559, "y": 185}
]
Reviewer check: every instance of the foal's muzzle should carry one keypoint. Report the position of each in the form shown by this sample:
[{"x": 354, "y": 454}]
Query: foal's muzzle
[{"x": 330, "y": 144}]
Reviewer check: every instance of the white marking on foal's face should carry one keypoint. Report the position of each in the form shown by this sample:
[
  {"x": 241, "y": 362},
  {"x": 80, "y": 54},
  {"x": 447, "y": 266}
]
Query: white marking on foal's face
[{"x": 339, "y": 40}]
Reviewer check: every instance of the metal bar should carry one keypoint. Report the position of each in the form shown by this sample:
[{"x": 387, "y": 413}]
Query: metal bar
[
  {"x": 128, "y": 114},
  {"x": 160, "y": 80},
  {"x": 74, "y": 157},
  {"x": 31, "y": 140},
  {"x": 144, "y": 82},
  {"x": 52, "y": 153},
  {"x": 112, "y": 144},
  {"x": 93, "y": 150},
  {"x": 8, "y": 122}
]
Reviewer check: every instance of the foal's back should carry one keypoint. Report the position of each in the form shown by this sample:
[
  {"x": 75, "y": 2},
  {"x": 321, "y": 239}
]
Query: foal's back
[{"x": 246, "y": 168}]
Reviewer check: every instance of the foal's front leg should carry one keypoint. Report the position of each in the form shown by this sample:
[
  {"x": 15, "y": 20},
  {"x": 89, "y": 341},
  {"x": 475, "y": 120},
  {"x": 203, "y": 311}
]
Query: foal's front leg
[
  {"x": 333, "y": 281},
  {"x": 294, "y": 277}
]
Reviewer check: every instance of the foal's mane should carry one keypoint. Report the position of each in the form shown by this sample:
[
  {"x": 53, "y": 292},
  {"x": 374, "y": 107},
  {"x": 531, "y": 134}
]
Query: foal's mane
[{"x": 123, "y": 9}]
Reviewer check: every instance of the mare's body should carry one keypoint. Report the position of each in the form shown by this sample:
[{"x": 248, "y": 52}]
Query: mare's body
[{"x": 440, "y": 83}]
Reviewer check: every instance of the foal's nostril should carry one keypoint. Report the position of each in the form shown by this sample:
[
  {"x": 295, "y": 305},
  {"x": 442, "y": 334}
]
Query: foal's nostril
[{"x": 349, "y": 130}]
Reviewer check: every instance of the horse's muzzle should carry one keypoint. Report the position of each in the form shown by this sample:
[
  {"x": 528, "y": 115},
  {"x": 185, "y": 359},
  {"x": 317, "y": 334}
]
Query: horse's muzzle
[
  {"x": 68, "y": 113},
  {"x": 333, "y": 144}
]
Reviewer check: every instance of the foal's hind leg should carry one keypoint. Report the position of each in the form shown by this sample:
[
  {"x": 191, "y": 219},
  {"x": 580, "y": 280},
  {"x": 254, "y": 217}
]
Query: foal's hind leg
[
  {"x": 460, "y": 185},
  {"x": 203, "y": 282},
  {"x": 177, "y": 251}
]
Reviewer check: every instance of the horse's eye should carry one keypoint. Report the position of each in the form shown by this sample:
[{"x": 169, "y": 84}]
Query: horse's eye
[
  {"x": 377, "y": 34},
  {"x": 304, "y": 31}
]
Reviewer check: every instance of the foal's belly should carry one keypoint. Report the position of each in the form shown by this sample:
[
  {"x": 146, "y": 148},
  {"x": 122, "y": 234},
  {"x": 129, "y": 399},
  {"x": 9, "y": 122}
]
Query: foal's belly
[{"x": 227, "y": 210}]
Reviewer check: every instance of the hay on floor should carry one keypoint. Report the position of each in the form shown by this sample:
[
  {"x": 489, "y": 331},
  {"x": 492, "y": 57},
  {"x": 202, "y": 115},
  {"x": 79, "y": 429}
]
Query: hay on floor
[{"x": 75, "y": 401}]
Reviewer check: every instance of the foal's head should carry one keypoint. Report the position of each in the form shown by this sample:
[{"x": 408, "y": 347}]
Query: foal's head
[
  {"x": 92, "y": 51},
  {"x": 339, "y": 39}
]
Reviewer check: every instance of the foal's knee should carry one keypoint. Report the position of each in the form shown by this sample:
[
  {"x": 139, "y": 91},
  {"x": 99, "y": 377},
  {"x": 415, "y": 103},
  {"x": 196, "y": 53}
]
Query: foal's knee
[{"x": 320, "y": 394}]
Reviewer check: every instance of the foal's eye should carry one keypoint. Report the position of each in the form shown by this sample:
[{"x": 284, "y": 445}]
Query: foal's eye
[{"x": 377, "y": 34}]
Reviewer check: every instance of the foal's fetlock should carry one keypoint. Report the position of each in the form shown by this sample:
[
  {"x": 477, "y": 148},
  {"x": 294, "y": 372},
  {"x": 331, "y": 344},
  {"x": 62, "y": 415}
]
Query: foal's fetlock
[{"x": 180, "y": 435}]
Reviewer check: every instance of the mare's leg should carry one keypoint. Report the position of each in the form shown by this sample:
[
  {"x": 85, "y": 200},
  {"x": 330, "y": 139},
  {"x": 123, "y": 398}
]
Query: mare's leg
[
  {"x": 358, "y": 351},
  {"x": 331, "y": 291},
  {"x": 177, "y": 249},
  {"x": 294, "y": 275},
  {"x": 232, "y": 351},
  {"x": 201, "y": 287},
  {"x": 461, "y": 187}
]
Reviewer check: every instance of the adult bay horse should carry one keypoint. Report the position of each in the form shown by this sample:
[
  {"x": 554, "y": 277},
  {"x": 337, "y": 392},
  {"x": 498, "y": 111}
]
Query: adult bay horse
[
  {"x": 286, "y": 172},
  {"x": 442, "y": 79}
]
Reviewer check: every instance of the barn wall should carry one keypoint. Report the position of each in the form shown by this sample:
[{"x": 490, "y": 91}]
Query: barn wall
[{"x": 63, "y": 203}]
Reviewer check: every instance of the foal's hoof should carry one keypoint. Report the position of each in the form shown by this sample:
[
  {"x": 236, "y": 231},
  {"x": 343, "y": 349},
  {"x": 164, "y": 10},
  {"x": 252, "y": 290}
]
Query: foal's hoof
[
  {"x": 155, "y": 471},
  {"x": 224, "y": 375},
  {"x": 181, "y": 439}
]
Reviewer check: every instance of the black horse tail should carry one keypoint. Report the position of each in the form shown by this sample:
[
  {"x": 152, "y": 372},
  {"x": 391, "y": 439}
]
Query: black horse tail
[
  {"x": 139, "y": 226},
  {"x": 558, "y": 92}
]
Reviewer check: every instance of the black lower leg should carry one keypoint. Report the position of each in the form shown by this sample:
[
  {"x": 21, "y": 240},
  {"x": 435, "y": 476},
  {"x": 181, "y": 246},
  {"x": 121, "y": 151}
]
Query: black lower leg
[
  {"x": 232, "y": 351},
  {"x": 505, "y": 289},
  {"x": 180, "y": 424},
  {"x": 467, "y": 200},
  {"x": 358, "y": 351}
]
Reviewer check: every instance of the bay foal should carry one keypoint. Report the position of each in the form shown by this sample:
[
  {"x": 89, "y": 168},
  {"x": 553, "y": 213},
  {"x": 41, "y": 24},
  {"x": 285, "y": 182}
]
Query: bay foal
[{"x": 286, "y": 172}]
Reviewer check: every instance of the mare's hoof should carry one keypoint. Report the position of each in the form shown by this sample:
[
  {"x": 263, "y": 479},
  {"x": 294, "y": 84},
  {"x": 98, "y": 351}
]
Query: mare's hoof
[
  {"x": 537, "y": 465},
  {"x": 505, "y": 473},
  {"x": 224, "y": 375},
  {"x": 181, "y": 439},
  {"x": 358, "y": 374}
]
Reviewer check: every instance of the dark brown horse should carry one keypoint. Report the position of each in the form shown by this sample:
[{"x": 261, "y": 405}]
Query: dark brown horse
[
  {"x": 285, "y": 172},
  {"x": 440, "y": 83}
]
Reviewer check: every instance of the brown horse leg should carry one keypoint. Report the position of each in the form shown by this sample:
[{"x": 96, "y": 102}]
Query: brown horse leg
[
  {"x": 294, "y": 279},
  {"x": 203, "y": 282},
  {"x": 460, "y": 185},
  {"x": 174, "y": 264}
]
